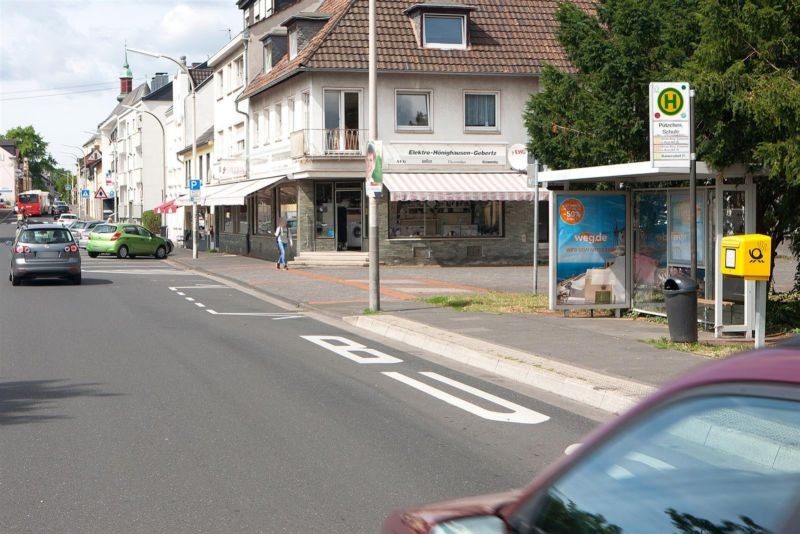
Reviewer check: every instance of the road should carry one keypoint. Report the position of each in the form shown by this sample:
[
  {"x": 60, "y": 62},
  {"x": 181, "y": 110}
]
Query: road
[{"x": 155, "y": 399}]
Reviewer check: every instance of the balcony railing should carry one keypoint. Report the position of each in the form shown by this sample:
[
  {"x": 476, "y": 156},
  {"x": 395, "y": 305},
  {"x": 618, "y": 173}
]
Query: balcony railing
[{"x": 328, "y": 142}]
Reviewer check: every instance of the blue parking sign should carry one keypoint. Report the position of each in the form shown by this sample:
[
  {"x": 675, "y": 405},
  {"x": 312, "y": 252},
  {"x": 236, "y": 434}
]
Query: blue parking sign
[{"x": 194, "y": 185}]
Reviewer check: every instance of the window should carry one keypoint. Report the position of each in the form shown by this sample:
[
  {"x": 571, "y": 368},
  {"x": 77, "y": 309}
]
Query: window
[
  {"x": 480, "y": 111},
  {"x": 256, "y": 129},
  {"x": 268, "y": 57},
  {"x": 712, "y": 463},
  {"x": 267, "y": 125},
  {"x": 444, "y": 31},
  {"x": 292, "y": 43},
  {"x": 278, "y": 122},
  {"x": 287, "y": 207},
  {"x": 257, "y": 10},
  {"x": 290, "y": 112},
  {"x": 264, "y": 200},
  {"x": 451, "y": 218},
  {"x": 238, "y": 68},
  {"x": 306, "y": 110},
  {"x": 227, "y": 219},
  {"x": 341, "y": 120},
  {"x": 323, "y": 203},
  {"x": 412, "y": 110},
  {"x": 241, "y": 213}
]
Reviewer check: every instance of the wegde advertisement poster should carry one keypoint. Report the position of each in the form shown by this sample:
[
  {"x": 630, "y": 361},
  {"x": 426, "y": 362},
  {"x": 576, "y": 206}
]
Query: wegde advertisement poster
[{"x": 591, "y": 268}]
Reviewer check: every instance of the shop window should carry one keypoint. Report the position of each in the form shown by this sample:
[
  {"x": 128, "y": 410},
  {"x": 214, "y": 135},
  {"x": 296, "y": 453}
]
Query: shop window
[
  {"x": 241, "y": 216},
  {"x": 265, "y": 224},
  {"x": 287, "y": 207},
  {"x": 324, "y": 209},
  {"x": 446, "y": 219},
  {"x": 227, "y": 219}
]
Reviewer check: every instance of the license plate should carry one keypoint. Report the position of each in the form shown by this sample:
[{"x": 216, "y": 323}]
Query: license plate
[{"x": 49, "y": 255}]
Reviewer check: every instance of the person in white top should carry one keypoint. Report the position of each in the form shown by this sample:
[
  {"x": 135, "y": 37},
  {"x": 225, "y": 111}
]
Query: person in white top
[{"x": 284, "y": 239}]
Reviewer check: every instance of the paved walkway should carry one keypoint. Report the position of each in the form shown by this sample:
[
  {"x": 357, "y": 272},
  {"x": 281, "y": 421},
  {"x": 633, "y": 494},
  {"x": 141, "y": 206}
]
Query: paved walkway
[{"x": 602, "y": 362}]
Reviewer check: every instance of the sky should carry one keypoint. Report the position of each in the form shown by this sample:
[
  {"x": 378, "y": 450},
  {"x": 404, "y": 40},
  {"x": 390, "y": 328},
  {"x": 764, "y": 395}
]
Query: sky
[{"x": 60, "y": 60}]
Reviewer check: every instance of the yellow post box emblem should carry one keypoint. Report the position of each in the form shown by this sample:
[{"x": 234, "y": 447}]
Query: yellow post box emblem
[{"x": 747, "y": 256}]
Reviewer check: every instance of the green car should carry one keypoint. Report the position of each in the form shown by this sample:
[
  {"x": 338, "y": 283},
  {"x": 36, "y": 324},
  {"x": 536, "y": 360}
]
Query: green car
[{"x": 126, "y": 241}]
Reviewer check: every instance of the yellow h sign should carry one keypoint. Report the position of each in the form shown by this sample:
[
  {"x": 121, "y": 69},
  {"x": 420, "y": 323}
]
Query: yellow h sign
[{"x": 670, "y": 101}]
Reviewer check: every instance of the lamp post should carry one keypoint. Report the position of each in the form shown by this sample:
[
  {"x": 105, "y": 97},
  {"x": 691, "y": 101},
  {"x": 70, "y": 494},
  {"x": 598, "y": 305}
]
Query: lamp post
[
  {"x": 163, "y": 146},
  {"x": 193, "y": 170},
  {"x": 78, "y": 165}
]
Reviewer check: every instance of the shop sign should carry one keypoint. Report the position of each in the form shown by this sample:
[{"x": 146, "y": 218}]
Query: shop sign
[
  {"x": 230, "y": 168},
  {"x": 443, "y": 154}
]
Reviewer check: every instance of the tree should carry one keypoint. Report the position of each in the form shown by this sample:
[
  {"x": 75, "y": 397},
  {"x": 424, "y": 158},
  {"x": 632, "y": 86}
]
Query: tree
[
  {"x": 60, "y": 178},
  {"x": 32, "y": 146},
  {"x": 598, "y": 115},
  {"x": 746, "y": 71}
]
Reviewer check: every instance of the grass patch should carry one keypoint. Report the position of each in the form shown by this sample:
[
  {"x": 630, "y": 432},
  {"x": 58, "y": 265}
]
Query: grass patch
[
  {"x": 710, "y": 350},
  {"x": 493, "y": 302},
  {"x": 367, "y": 311}
]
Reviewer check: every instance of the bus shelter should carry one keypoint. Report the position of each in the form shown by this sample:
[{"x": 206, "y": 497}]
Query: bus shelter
[{"x": 614, "y": 249}]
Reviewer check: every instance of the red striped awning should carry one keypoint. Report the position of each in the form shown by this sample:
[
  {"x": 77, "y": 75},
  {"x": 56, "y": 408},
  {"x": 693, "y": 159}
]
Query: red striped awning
[
  {"x": 167, "y": 207},
  {"x": 460, "y": 186}
]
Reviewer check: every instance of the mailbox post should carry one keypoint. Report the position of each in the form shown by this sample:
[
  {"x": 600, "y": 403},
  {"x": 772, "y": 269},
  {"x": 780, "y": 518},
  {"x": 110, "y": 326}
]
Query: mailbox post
[{"x": 749, "y": 256}]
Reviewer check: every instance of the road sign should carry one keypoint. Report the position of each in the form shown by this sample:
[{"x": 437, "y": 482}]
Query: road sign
[
  {"x": 100, "y": 193},
  {"x": 85, "y": 193},
  {"x": 670, "y": 125},
  {"x": 194, "y": 185},
  {"x": 68, "y": 187}
]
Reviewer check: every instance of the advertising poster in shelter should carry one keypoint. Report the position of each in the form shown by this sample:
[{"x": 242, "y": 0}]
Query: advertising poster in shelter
[
  {"x": 591, "y": 267},
  {"x": 680, "y": 228}
]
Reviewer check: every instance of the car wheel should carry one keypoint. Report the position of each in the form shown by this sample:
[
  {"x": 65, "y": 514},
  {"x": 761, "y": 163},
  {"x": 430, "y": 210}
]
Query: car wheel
[
  {"x": 76, "y": 280},
  {"x": 122, "y": 253},
  {"x": 15, "y": 280},
  {"x": 93, "y": 254},
  {"x": 161, "y": 252}
]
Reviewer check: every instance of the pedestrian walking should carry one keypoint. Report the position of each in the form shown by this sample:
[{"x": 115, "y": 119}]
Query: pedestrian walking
[
  {"x": 284, "y": 238},
  {"x": 110, "y": 219}
]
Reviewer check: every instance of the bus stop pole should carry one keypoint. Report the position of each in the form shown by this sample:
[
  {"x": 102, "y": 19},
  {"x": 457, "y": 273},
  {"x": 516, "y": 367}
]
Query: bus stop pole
[{"x": 692, "y": 193}]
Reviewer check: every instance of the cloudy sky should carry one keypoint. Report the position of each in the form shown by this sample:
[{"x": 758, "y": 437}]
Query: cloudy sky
[{"x": 60, "y": 60}]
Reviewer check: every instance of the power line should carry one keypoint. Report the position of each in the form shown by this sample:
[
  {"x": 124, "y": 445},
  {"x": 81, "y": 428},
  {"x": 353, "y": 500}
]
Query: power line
[
  {"x": 57, "y": 88},
  {"x": 55, "y": 94}
]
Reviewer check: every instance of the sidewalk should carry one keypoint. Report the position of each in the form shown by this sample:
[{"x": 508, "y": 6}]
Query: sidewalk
[{"x": 598, "y": 361}]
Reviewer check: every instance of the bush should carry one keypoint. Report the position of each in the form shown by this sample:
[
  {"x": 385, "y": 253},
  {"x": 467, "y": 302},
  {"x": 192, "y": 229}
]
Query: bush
[{"x": 152, "y": 221}]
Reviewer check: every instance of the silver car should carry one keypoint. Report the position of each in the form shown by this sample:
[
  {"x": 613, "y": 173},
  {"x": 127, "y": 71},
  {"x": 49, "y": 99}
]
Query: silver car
[
  {"x": 80, "y": 231},
  {"x": 44, "y": 251}
]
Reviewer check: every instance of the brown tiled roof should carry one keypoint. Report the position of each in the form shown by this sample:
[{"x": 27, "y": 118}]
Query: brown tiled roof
[{"x": 506, "y": 37}]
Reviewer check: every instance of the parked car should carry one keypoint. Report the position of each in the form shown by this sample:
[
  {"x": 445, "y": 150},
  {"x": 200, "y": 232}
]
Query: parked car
[
  {"x": 80, "y": 231},
  {"x": 44, "y": 251},
  {"x": 715, "y": 451},
  {"x": 66, "y": 218},
  {"x": 126, "y": 241}
]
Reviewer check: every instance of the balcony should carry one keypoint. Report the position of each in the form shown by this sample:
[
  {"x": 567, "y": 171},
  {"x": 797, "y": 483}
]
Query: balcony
[{"x": 336, "y": 142}]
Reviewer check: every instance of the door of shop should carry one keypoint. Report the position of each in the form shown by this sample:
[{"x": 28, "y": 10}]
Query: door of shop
[{"x": 349, "y": 218}]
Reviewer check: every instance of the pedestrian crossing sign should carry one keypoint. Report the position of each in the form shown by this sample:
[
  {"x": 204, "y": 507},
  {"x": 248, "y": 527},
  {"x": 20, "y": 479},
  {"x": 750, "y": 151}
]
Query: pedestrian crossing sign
[
  {"x": 100, "y": 193},
  {"x": 84, "y": 193}
]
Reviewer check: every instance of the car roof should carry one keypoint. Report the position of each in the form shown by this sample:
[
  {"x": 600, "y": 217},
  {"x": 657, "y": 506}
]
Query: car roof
[{"x": 44, "y": 226}]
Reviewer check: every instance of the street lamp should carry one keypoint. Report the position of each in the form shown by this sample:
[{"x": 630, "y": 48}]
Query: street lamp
[
  {"x": 193, "y": 172},
  {"x": 163, "y": 146},
  {"x": 78, "y": 165}
]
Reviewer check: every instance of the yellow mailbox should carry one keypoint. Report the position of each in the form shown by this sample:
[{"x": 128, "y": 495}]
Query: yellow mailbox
[{"x": 747, "y": 256}]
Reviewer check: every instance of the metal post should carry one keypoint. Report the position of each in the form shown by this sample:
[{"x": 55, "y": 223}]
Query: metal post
[
  {"x": 374, "y": 273},
  {"x": 692, "y": 192},
  {"x": 535, "y": 172},
  {"x": 761, "y": 313}
]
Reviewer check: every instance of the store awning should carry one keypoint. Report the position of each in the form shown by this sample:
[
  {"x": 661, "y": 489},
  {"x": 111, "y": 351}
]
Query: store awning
[
  {"x": 460, "y": 186},
  {"x": 167, "y": 207},
  {"x": 233, "y": 194}
]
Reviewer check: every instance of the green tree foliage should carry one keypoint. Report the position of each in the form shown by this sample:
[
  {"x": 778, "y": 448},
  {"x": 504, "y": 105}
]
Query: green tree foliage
[
  {"x": 151, "y": 221},
  {"x": 32, "y": 146},
  {"x": 746, "y": 71},
  {"x": 60, "y": 179},
  {"x": 598, "y": 115}
]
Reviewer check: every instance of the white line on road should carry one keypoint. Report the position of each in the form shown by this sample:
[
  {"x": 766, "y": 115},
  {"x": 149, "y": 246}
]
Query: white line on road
[
  {"x": 175, "y": 288},
  {"x": 519, "y": 414},
  {"x": 181, "y": 293},
  {"x": 170, "y": 272},
  {"x": 190, "y": 299},
  {"x": 199, "y": 304},
  {"x": 275, "y": 316},
  {"x": 348, "y": 349}
]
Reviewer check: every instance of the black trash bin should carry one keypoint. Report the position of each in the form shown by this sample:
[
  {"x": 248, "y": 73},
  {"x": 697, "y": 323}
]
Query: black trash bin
[{"x": 680, "y": 298}]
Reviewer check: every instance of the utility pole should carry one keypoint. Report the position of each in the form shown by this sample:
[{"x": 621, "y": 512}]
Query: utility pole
[{"x": 374, "y": 273}]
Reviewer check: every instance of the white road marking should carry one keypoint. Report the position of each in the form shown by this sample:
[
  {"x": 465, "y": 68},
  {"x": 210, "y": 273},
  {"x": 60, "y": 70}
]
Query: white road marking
[
  {"x": 199, "y": 304},
  {"x": 518, "y": 414},
  {"x": 190, "y": 299},
  {"x": 572, "y": 448},
  {"x": 181, "y": 293},
  {"x": 212, "y": 312},
  {"x": 170, "y": 272},
  {"x": 175, "y": 288},
  {"x": 275, "y": 316},
  {"x": 348, "y": 349}
]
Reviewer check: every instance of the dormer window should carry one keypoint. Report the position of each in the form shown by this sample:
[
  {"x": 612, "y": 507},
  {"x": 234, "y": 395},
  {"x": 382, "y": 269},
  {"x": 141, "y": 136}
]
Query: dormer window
[
  {"x": 442, "y": 25},
  {"x": 268, "y": 57},
  {"x": 444, "y": 31},
  {"x": 292, "y": 44}
]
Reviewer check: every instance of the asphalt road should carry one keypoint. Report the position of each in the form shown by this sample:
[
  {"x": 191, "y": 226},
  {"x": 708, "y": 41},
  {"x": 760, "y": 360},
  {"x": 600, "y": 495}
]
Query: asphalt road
[{"x": 149, "y": 399}]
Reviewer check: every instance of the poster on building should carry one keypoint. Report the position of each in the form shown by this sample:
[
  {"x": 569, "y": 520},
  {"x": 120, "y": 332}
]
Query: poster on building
[
  {"x": 591, "y": 263},
  {"x": 680, "y": 236}
]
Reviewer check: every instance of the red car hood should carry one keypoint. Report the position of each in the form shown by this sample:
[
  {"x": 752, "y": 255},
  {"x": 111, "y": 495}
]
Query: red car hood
[{"x": 423, "y": 518}]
